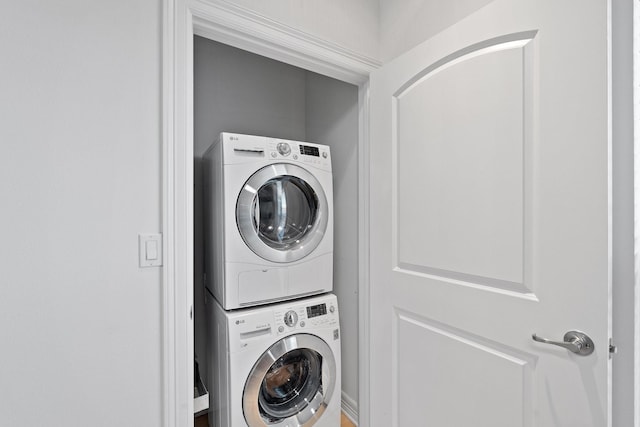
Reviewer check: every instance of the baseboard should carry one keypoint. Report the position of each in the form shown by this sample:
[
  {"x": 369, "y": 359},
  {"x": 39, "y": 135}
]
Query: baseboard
[{"x": 350, "y": 408}]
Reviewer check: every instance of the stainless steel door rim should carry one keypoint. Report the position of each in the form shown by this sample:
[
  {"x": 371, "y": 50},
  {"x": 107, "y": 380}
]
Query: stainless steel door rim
[
  {"x": 248, "y": 214},
  {"x": 314, "y": 406}
]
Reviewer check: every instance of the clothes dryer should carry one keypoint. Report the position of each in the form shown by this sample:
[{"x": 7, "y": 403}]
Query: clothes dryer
[
  {"x": 269, "y": 220},
  {"x": 276, "y": 365}
]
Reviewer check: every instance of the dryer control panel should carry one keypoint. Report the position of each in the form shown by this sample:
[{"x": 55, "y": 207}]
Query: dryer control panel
[
  {"x": 317, "y": 314},
  {"x": 238, "y": 148},
  {"x": 299, "y": 152}
]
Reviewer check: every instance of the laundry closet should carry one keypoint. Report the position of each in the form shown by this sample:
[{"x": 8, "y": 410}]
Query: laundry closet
[{"x": 240, "y": 92}]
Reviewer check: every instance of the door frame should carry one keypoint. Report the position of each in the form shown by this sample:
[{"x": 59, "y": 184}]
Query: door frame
[
  {"x": 242, "y": 28},
  {"x": 625, "y": 128}
]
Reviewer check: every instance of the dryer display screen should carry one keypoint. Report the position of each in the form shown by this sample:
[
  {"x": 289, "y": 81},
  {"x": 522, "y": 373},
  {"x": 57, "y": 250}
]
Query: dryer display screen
[
  {"x": 316, "y": 310},
  {"x": 309, "y": 151}
]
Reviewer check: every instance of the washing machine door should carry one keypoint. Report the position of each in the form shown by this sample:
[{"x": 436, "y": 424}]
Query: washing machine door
[
  {"x": 282, "y": 212},
  {"x": 291, "y": 384}
]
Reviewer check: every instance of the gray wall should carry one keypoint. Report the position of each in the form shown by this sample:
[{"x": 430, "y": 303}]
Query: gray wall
[
  {"x": 332, "y": 119},
  {"x": 237, "y": 91},
  {"x": 80, "y": 323}
]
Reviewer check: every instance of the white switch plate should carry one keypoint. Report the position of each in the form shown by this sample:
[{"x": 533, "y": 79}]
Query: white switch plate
[{"x": 150, "y": 250}]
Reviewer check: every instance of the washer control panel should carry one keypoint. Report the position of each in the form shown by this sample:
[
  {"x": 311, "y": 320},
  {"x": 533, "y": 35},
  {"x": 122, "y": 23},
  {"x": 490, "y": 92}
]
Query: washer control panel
[
  {"x": 254, "y": 326},
  {"x": 300, "y": 316}
]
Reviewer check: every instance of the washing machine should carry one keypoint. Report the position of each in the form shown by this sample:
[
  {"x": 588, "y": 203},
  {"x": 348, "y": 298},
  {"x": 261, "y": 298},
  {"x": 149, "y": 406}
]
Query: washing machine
[
  {"x": 276, "y": 365},
  {"x": 268, "y": 220}
]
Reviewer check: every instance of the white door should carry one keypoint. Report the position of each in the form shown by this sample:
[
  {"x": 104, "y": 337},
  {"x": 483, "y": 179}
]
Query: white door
[{"x": 490, "y": 221}]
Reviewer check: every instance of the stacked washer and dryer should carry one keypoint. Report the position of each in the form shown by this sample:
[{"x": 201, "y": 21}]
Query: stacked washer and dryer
[{"x": 274, "y": 352}]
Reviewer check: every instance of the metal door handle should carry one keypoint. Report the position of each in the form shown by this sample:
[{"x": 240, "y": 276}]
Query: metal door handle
[{"x": 574, "y": 341}]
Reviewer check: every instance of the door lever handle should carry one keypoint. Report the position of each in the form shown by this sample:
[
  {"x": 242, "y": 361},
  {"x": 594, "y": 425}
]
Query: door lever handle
[{"x": 575, "y": 341}]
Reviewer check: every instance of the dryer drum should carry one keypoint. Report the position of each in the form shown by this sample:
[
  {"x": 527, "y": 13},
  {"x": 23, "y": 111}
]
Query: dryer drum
[
  {"x": 285, "y": 210},
  {"x": 282, "y": 212}
]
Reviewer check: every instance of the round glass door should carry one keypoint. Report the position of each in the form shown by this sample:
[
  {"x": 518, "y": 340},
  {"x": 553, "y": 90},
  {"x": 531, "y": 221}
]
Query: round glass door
[
  {"x": 282, "y": 213},
  {"x": 293, "y": 381},
  {"x": 290, "y": 384}
]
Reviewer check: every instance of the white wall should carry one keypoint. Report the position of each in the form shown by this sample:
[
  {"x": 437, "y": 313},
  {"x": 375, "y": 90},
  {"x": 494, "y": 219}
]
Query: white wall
[
  {"x": 332, "y": 119},
  {"x": 406, "y": 23},
  {"x": 80, "y": 323},
  {"x": 352, "y": 24}
]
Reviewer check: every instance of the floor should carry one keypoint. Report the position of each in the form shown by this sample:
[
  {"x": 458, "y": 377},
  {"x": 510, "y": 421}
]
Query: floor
[
  {"x": 202, "y": 422},
  {"x": 345, "y": 422}
]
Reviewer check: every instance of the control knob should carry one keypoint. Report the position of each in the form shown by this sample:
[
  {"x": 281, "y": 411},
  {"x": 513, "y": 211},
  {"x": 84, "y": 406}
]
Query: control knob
[
  {"x": 283, "y": 148},
  {"x": 291, "y": 318}
]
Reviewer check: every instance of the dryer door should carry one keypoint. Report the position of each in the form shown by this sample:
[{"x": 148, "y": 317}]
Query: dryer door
[
  {"x": 282, "y": 212},
  {"x": 291, "y": 384}
]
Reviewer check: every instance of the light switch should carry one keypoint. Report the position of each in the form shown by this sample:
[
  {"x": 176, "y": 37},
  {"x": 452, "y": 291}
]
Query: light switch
[{"x": 150, "y": 250}]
